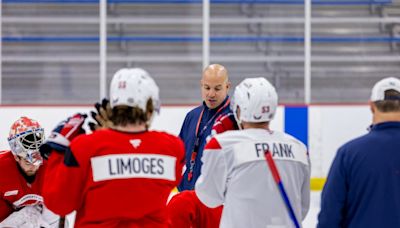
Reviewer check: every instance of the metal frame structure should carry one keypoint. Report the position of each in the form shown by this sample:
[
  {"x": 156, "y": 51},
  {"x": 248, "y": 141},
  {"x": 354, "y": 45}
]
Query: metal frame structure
[{"x": 206, "y": 21}]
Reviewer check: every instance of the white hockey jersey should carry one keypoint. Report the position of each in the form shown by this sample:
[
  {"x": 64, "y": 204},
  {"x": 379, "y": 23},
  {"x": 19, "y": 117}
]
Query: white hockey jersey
[{"x": 235, "y": 174}]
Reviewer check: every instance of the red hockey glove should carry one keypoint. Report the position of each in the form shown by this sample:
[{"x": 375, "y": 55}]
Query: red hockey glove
[{"x": 62, "y": 135}]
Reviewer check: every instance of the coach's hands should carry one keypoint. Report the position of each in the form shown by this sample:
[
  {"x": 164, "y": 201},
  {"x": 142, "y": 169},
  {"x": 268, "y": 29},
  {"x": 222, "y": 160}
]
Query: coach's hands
[
  {"x": 102, "y": 116},
  {"x": 62, "y": 135}
]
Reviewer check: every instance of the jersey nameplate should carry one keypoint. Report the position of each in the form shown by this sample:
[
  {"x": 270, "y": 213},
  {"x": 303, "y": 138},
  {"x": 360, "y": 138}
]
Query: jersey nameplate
[
  {"x": 253, "y": 151},
  {"x": 124, "y": 166}
]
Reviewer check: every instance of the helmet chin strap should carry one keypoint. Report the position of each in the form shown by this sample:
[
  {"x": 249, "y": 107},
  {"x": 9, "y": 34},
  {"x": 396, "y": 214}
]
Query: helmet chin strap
[
  {"x": 150, "y": 118},
  {"x": 237, "y": 118},
  {"x": 239, "y": 123}
]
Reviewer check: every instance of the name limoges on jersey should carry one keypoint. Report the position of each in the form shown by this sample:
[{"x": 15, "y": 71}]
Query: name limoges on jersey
[
  {"x": 136, "y": 165},
  {"x": 124, "y": 166}
]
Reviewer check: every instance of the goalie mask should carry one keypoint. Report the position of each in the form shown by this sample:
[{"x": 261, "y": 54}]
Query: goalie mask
[
  {"x": 134, "y": 87},
  {"x": 25, "y": 138},
  {"x": 257, "y": 100}
]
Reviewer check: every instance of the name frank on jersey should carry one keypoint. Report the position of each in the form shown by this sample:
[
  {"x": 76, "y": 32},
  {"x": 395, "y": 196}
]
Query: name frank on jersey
[{"x": 281, "y": 150}]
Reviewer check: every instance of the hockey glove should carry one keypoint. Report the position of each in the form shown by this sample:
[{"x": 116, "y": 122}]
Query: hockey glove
[
  {"x": 102, "y": 116},
  {"x": 62, "y": 135}
]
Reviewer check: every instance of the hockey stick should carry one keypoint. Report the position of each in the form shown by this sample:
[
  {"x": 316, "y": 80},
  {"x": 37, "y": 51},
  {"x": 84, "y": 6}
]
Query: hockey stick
[
  {"x": 279, "y": 184},
  {"x": 61, "y": 224}
]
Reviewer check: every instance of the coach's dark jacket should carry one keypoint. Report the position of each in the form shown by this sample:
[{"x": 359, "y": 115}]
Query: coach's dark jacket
[
  {"x": 188, "y": 135},
  {"x": 363, "y": 185}
]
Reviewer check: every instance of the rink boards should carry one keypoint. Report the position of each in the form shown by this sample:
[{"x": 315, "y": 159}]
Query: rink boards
[{"x": 323, "y": 128}]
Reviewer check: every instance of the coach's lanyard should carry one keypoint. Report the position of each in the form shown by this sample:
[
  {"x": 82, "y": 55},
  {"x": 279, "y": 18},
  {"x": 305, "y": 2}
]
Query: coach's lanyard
[{"x": 197, "y": 142}]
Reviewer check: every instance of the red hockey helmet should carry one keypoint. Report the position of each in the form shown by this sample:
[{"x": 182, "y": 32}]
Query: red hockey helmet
[{"x": 25, "y": 137}]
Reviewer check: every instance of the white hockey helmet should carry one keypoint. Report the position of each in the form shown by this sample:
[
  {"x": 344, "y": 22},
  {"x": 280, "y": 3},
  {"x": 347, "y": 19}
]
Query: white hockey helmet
[
  {"x": 257, "y": 100},
  {"x": 133, "y": 87},
  {"x": 25, "y": 137}
]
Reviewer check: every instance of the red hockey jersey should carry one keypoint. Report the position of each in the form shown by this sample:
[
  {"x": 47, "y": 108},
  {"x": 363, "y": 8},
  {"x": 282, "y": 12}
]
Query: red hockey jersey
[
  {"x": 185, "y": 210},
  {"x": 115, "y": 179},
  {"x": 15, "y": 191}
]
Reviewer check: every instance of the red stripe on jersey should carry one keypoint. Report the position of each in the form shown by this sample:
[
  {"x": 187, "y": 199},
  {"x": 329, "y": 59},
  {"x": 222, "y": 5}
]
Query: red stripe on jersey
[
  {"x": 272, "y": 167},
  {"x": 213, "y": 144}
]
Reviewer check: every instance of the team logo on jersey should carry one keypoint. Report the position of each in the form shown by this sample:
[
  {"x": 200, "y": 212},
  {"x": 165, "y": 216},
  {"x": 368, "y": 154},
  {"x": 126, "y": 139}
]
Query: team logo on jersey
[{"x": 135, "y": 142}]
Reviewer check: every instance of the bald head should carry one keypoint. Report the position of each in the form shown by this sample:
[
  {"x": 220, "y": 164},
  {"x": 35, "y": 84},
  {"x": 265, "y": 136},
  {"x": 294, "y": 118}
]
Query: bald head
[
  {"x": 216, "y": 71},
  {"x": 214, "y": 85}
]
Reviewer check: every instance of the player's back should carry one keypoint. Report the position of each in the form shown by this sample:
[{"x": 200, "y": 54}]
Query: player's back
[
  {"x": 252, "y": 198},
  {"x": 129, "y": 178}
]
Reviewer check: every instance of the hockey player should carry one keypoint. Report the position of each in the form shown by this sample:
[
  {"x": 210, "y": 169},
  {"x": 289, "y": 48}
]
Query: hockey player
[
  {"x": 116, "y": 177},
  {"x": 21, "y": 178},
  {"x": 185, "y": 210},
  {"x": 235, "y": 172}
]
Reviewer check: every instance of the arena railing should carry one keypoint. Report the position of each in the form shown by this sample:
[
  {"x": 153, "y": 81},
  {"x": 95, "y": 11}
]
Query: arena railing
[
  {"x": 317, "y": 2},
  {"x": 174, "y": 39},
  {"x": 180, "y": 39}
]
